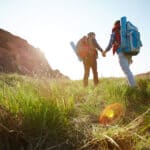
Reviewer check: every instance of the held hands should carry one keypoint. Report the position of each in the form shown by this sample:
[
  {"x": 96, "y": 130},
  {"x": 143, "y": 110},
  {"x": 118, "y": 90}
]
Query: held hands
[{"x": 104, "y": 53}]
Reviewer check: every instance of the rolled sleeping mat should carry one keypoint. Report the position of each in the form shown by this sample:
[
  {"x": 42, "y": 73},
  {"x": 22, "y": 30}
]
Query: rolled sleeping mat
[
  {"x": 75, "y": 49},
  {"x": 123, "y": 29}
]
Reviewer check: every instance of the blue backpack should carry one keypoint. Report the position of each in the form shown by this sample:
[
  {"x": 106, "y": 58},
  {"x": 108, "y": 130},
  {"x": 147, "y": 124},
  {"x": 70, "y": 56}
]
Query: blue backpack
[{"x": 130, "y": 38}]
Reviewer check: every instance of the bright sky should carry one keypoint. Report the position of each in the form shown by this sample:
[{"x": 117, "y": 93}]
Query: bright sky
[{"x": 51, "y": 24}]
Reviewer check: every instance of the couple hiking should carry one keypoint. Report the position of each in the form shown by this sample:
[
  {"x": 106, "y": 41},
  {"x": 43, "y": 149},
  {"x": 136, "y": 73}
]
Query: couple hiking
[{"x": 89, "y": 55}]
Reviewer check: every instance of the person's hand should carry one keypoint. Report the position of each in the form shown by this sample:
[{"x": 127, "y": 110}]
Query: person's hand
[{"x": 104, "y": 54}]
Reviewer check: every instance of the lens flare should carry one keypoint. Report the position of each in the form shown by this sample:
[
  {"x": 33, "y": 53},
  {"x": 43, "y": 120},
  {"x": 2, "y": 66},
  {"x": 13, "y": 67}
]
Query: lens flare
[{"x": 111, "y": 113}]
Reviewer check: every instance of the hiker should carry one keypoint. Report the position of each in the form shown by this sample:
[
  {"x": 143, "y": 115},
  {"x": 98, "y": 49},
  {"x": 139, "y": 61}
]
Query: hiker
[
  {"x": 90, "y": 60},
  {"x": 124, "y": 59}
]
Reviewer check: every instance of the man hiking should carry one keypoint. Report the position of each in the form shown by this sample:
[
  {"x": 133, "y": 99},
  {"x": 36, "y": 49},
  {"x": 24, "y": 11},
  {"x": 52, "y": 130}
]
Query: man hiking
[{"x": 90, "y": 60}]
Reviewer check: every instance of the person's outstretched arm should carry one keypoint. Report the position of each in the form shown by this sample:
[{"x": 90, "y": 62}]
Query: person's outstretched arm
[
  {"x": 97, "y": 45},
  {"x": 111, "y": 41}
]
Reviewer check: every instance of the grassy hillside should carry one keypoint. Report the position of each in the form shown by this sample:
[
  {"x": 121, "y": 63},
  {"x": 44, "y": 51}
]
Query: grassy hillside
[{"x": 43, "y": 114}]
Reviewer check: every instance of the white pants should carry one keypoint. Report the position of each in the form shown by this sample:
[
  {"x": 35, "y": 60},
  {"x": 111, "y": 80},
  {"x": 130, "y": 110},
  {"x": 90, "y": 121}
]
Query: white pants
[{"x": 124, "y": 62}]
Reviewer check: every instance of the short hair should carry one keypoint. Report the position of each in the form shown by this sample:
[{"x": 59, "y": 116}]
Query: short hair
[{"x": 91, "y": 33}]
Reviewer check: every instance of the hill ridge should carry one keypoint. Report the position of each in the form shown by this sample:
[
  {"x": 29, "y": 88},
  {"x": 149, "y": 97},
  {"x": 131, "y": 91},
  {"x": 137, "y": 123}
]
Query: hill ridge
[{"x": 18, "y": 56}]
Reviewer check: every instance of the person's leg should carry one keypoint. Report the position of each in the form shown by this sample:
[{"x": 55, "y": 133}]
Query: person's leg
[
  {"x": 123, "y": 60},
  {"x": 86, "y": 72},
  {"x": 94, "y": 70}
]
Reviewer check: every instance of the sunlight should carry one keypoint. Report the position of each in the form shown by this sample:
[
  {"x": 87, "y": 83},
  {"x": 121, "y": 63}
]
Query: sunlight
[{"x": 55, "y": 45}]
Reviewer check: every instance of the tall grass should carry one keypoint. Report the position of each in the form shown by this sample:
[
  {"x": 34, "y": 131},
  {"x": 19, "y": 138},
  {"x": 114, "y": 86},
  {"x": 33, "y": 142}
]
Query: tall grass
[
  {"x": 63, "y": 113},
  {"x": 41, "y": 107}
]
